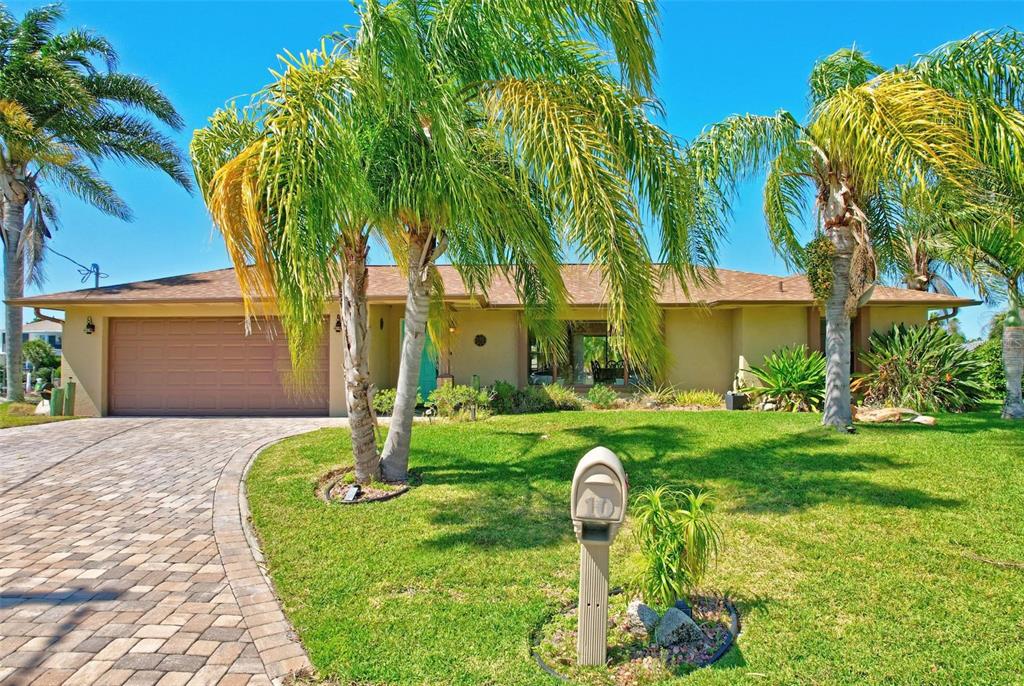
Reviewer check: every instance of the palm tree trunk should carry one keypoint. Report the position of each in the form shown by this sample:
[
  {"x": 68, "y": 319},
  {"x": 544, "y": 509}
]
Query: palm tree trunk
[
  {"x": 14, "y": 287},
  {"x": 837, "y": 412},
  {"x": 395, "y": 456},
  {"x": 1013, "y": 364},
  {"x": 354, "y": 317}
]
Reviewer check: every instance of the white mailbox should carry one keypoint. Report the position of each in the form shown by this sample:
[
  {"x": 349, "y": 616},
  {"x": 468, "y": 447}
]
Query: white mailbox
[
  {"x": 598, "y": 497},
  {"x": 598, "y": 508}
]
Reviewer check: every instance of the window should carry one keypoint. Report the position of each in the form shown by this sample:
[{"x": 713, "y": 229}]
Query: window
[{"x": 594, "y": 357}]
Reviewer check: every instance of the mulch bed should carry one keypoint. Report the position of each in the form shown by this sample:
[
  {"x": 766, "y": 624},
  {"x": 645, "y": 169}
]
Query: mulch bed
[
  {"x": 635, "y": 659},
  {"x": 333, "y": 486}
]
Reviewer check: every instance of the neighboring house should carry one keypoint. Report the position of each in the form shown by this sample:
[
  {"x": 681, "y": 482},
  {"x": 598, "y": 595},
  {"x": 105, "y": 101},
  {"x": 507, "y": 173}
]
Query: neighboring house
[
  {"x": 177, "y": 345},
  {"x": 48, "y": 331}
]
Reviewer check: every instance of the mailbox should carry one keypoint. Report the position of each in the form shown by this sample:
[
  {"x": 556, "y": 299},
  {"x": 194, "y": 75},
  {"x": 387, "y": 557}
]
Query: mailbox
[
  {"x": 598, "y": 508},
  {"x": 598, "y": 497}
]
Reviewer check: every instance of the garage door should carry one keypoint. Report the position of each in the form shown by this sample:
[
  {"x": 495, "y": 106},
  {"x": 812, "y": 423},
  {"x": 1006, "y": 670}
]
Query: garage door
[{"x": 207, "y": 366}]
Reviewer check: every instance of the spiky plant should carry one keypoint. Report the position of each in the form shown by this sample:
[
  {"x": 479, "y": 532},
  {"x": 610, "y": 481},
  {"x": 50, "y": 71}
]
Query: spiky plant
[
  {"x": 793, "y": 379},
  {"x": 64, "y": 108},
  {"x": 679, "y": 540},
  {"x": 924, "y": 368}
]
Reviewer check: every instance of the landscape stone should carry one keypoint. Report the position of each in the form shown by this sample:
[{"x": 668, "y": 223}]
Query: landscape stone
[
  {"x": 676, "y": 628},
  {"x": 641, "y": 617}
]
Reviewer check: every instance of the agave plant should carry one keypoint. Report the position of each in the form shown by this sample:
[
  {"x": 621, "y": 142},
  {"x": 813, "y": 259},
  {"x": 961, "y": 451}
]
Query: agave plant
[
  {"x": 923, "y": 368},
  {"x": 793, "y": 379},
  {"x": 679, "y": 540}
]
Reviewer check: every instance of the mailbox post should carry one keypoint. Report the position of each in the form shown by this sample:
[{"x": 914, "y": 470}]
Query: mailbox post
[{"x": 598, "y": 510}]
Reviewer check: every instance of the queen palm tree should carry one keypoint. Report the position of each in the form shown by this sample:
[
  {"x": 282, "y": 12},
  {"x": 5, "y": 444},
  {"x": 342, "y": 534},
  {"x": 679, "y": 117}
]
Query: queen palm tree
[
  {"x": 61, "y": 114},
  {"x": 990, "y": 254},
  {"x": 868, "y": 131},
  {"x": 985, "y": 240},
  {"x": 285, "y": 180},
  {"x": 509, "y": 106},
  {"x": 293, "y": 183}
]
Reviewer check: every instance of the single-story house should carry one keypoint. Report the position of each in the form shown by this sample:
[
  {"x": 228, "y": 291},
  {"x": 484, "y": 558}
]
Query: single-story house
[
  {"x": 177, "y": 345},
  {"x": 41, "y": 330}
]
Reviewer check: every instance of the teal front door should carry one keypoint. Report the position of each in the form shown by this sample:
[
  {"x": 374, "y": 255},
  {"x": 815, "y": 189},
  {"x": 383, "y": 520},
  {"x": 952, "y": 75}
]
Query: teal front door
[{"x": 428, "y": 364}]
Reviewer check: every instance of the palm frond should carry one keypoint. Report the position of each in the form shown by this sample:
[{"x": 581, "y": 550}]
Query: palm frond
[
  {"x": 86, "y": 184},
  {"x": 845, "y": 68},
  {"x": 896, "y": 127}
]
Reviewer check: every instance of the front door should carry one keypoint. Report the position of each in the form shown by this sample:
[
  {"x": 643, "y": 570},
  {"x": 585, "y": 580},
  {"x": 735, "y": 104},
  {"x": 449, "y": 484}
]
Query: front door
[{"x": 428, "y": 363}]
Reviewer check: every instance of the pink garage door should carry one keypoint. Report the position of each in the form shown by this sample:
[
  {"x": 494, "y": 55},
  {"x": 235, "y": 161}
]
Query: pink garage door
[{"x": 207, "y": 366}]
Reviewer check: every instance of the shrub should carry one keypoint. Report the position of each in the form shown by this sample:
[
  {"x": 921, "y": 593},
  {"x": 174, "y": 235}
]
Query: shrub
[
  {"x": 535, "y": 399},
  {"x": 562, "y": 397},
  {"x": 602, "y": 397},
  {"x": 923, "y": 368},
  {"x": 40, "y": 354},
  {"x": 505, "y": 397},
  {"x": 993, "y": 376},
  {"x": 678, "y": 538},
  {"x": 44, "y": 373},
  {"x": 698, "y": 398},
  {"x": 654, "y": 395},
  {"x": 384, "y": 400},
  {"x": 793, "y": 379},
  {"x": 449, "y": 400}
]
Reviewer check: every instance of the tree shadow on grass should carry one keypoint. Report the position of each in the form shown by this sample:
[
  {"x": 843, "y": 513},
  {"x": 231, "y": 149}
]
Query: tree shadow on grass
[
  {"x": 789, "y": 472},
  {"x": 523, "y": 501}
]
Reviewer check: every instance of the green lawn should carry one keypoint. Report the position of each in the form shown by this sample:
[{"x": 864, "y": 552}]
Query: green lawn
[
  {"x": 851, "y": 558},
  {"x": 22, "y": 414}
]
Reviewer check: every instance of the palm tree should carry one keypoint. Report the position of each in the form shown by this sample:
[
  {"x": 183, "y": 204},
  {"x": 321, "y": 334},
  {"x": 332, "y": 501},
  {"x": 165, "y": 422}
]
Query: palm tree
[
  {"x": 989, "y": 252},
  {"x": 868, "y": 132},
  {"x": 60, "y": 116},
  {"x": 286, "y": 183},
  {"x": 508, "y": 123},
  {"x": 986, "y": 239}
]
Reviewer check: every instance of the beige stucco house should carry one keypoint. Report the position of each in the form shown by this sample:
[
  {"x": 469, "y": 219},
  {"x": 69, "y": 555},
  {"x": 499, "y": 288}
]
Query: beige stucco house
[{"x": 177, "y": 346}]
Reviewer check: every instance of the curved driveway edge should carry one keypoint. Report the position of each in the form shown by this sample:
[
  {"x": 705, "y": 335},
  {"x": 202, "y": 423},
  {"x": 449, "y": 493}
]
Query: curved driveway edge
[
  {"x": 272, "y": 634},
  {"x": 123, "y": 556}
]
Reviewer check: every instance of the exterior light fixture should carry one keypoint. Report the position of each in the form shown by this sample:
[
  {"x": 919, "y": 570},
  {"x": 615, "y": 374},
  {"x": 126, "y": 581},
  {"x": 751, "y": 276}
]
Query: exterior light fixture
[
  {"x": 90, "y": 328},
  {"x": 451, "y": 329},
  {"x": 337, "y": 324}
]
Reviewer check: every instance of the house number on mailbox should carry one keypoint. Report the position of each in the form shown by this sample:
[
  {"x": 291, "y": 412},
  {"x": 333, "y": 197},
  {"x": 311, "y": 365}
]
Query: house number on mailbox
[{"x": 599, "y": 507}]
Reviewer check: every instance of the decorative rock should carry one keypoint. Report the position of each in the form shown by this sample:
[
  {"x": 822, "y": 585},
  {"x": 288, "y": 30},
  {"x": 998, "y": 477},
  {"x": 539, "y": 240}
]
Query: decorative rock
[
  {"x": 768, "y": 407},
  {"x": 43, "y": 407},
  {"x": 675, "y": 627},
  {"x": 641, "y": 617}
]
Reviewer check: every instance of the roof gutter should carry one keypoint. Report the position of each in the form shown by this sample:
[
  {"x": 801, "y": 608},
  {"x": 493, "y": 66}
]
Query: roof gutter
[{"x": 39, "y": 315}]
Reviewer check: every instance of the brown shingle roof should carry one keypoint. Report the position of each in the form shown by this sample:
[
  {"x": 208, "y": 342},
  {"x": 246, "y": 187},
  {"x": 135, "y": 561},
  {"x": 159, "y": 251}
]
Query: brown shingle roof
[{"x": 386, "y": 283}]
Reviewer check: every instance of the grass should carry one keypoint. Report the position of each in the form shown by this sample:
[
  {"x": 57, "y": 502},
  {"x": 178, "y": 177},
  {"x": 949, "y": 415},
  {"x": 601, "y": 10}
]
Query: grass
[
  {"x": 853, "y": 559},
  {"x": 22, "y": 414}
]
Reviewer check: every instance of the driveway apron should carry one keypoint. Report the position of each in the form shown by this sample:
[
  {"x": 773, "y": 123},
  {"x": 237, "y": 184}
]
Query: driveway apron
[{"x": 123, "y": 558}]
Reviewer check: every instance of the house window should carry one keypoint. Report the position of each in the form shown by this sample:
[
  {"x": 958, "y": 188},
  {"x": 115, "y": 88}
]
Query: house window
[
  {"x": 594, "y": 356},
  {"x": 543, "y": 367}
]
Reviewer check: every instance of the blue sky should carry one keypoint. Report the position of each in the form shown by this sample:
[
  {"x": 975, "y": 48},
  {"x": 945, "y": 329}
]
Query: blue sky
[{"x": 714, "y": 59}]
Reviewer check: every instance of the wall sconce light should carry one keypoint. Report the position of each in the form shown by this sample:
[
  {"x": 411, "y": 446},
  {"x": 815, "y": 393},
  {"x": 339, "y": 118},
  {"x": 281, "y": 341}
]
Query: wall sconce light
[
  {"x": 337, "y": 324},
  {"x": 90, "y": 328},
  {"x": 451, "y": 329}
]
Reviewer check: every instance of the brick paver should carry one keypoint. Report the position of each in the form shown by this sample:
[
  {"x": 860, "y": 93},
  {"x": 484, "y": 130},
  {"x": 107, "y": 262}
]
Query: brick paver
[{"x": 124, "y": 559}]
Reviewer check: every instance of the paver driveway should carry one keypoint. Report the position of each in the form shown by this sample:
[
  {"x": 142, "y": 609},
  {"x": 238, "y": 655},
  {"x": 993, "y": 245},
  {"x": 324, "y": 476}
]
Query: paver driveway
[{"x": 123, "y": 559}]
